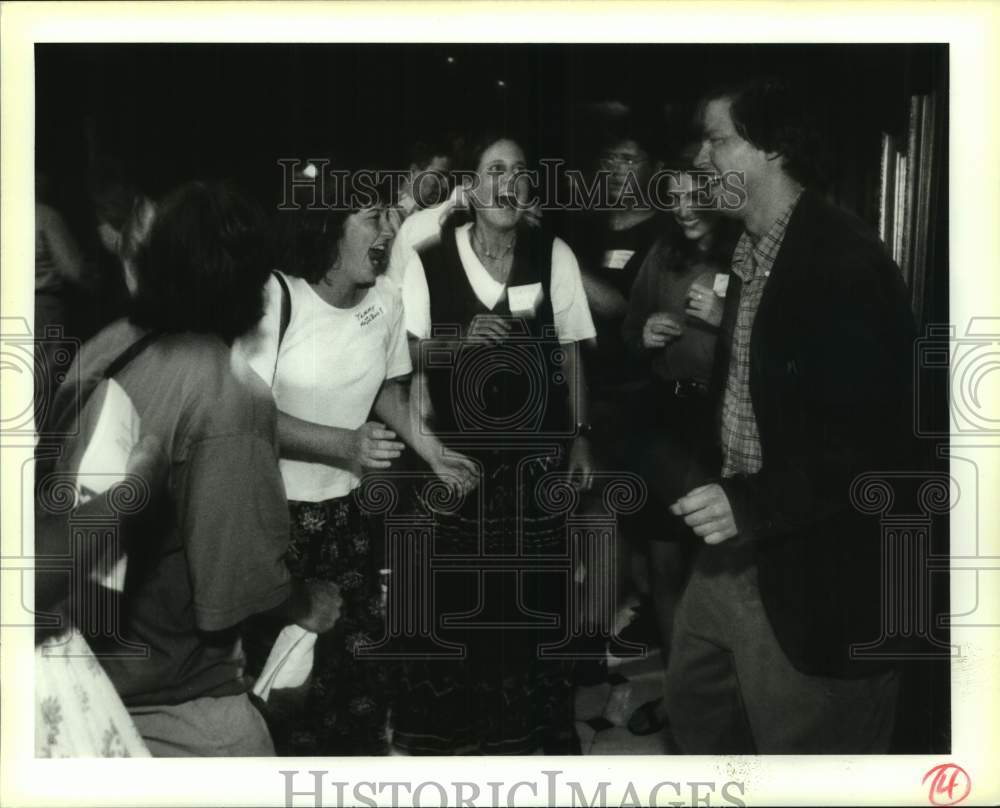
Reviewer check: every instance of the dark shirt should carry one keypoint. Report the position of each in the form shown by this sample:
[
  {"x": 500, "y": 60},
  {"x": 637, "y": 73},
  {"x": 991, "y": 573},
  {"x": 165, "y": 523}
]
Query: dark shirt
[
  {"x": 614, "y": 257},
  {"x": 662, "y": 285},
  {"x": 831, "y": 381}
]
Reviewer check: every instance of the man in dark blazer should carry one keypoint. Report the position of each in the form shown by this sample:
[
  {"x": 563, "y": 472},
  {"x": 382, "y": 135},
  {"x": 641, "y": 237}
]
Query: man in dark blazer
[{"x": 814, "y": 382}]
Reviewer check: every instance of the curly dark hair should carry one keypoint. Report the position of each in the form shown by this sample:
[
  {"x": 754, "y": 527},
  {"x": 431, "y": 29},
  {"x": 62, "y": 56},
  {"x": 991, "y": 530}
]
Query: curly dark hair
[
  {"x": 640, "y": 127},
  {"x": 309, "y": 230},
  {"x": 205, "y": 263},
  {"x": 775, "y": 115}
]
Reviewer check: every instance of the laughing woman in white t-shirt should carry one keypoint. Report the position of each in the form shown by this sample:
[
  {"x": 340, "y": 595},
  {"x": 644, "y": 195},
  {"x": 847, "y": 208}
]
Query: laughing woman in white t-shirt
[{"x": 342, "y": 354}]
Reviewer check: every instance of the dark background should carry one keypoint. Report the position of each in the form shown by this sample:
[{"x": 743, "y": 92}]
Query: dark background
[
  {"x": 176, "y": 112},
  {"x": 169, "y": 113}
]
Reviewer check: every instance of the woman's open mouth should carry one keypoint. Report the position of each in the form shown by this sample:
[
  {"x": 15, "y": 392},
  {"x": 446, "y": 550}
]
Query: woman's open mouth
[
  {"x": 378, "y": 254},
  {"x": 507, "y": 201}
]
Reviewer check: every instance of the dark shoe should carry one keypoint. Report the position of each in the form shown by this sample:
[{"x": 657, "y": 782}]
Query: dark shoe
[
  {"x": 645, "y": 721},
  {"x": 568, "y": 745}
]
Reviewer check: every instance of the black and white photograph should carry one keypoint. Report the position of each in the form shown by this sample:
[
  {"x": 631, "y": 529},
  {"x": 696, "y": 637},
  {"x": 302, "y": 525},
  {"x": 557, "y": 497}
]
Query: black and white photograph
[{"x": 454, "y": 393}]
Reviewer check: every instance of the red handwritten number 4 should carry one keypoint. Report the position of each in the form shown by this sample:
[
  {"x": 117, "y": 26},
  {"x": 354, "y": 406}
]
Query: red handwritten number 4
[{"x": 950, "y": 784}]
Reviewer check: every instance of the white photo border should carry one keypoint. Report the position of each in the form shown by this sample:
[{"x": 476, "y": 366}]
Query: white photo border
[{"x": 973, "y": 32}]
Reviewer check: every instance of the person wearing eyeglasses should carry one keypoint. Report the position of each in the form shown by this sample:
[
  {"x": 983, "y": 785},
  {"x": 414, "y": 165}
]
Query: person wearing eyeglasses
[{"x": 612, "y": 241}]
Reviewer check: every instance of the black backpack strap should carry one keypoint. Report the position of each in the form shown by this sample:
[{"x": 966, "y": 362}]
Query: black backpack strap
[
  {"x": 285, "y": 319},
  {"x": 130, "y": 353},
  {"x": 62, "y": 424},
  {"x": 286, "y": 306}
]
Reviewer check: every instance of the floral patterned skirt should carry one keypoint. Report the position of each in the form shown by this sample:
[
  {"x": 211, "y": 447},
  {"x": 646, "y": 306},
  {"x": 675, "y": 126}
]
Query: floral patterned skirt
[
  {"x": 342, "y": 708},
  {"x": 77, "y": 710}
]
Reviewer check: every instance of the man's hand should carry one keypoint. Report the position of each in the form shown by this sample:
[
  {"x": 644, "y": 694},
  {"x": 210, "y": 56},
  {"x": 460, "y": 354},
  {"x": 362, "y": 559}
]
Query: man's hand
[
  {"x": 374, "y": 447},
  {"x": 660, "y": 328},
  {"x": 324, "y": 606},
  {"x": 705, "y": 305},
  {"x": 707, "y": 511}
]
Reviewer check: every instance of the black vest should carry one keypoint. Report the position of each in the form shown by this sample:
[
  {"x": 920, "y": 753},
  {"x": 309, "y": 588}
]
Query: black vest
[{"x": 516, "y": 389}]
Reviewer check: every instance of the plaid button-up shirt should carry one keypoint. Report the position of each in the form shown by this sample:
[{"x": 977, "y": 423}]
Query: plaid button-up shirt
[{"x": 752, "y": 264}]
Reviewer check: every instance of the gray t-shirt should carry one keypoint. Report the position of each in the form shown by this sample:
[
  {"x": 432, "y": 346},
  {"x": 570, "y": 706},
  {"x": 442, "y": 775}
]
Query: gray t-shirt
[{"x": 216, "y": 555}]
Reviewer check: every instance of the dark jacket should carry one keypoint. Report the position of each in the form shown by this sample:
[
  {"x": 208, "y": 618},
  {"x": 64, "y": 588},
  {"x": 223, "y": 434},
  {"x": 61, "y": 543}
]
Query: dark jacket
[{"x": 831, "y": 384}]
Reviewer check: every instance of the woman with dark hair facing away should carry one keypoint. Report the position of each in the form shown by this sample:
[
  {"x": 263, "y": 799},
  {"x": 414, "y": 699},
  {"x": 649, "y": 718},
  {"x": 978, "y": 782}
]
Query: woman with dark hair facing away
[
  {"x": 341, "y": 354},
  {"x": 496, "y": 309},
  {"x": 675, "y": 308},
  {"x": 215, "y": 557}
]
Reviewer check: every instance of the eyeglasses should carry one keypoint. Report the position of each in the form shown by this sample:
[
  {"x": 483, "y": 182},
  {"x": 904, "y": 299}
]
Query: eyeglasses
[{"x": 612, "y": 159}]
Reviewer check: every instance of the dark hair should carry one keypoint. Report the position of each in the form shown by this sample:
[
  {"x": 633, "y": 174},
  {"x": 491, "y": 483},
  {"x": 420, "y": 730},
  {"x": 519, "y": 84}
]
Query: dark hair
[
  {"x": 472, "y": 151},
  {"x": 682, "y": 158},
  {"x": 775, "y": 116},
  {"x": 205, "y": 263},
  {"x": 423, "y": 151},
  {"x": 725, "y": 230},
  {"x": 637, "y": 127},
  {"x": 112, "y": 192},
  {"x": 114, "y": 203},
  {"x": 469, "y": 156},
  {"x": 309, "y": 231}
]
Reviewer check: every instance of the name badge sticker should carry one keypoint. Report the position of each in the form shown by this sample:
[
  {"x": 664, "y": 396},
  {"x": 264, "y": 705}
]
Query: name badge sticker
[
  {"x": 525, "y": 299},
  {"x": 616, "y": 259}
]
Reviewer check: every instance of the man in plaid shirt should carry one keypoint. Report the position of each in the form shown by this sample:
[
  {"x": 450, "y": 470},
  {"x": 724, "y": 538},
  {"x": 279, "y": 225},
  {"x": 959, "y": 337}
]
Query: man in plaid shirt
[{"x": 813, "y": 372}]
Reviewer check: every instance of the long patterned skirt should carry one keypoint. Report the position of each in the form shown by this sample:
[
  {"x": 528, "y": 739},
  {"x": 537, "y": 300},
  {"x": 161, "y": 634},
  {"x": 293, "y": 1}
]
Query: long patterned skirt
[
  {"x": 503, "y": 696},
  {"x": 342, "y": 709}
]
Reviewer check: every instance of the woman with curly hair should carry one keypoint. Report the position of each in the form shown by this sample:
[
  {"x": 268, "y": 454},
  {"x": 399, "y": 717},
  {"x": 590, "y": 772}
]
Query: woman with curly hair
[{"x": 333, "y": 346}]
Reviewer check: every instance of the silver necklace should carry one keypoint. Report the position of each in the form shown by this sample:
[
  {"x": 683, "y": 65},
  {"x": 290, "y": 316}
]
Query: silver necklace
[{"x": 478, "y": 242}]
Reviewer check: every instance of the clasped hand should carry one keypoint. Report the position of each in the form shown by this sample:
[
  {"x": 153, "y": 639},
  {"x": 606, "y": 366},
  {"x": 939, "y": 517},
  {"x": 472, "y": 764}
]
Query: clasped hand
[
  {"x": 706, "y": 510},
  {"x": 660, "y": 328},
  {"x": 374, "y": 446},
  {"x": 704, "y": 304},
  {"x": 488, "y": 328}
]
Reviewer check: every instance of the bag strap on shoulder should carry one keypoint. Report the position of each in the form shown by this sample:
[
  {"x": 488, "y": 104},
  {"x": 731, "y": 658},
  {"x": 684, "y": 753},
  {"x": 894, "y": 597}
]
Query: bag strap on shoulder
[
  {"x": 286, "y": 305},
  {"x": 130, "y": 353},
  {"x": 285, "y": 319}
]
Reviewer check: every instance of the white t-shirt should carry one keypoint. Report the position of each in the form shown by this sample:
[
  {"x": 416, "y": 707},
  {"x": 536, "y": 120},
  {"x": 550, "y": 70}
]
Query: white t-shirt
[
  {"x": 416, "y": 229},
  {"x": 569, "y": 301},
  {"x": 330, "y": 367}
]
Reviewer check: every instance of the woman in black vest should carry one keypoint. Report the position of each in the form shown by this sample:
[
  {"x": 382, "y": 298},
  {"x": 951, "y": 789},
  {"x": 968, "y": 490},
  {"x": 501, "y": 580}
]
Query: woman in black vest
[{"x": 498, "y": 307}]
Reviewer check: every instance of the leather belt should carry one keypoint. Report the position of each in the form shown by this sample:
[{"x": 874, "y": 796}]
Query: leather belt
[{"x": 683, "y": 388}]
